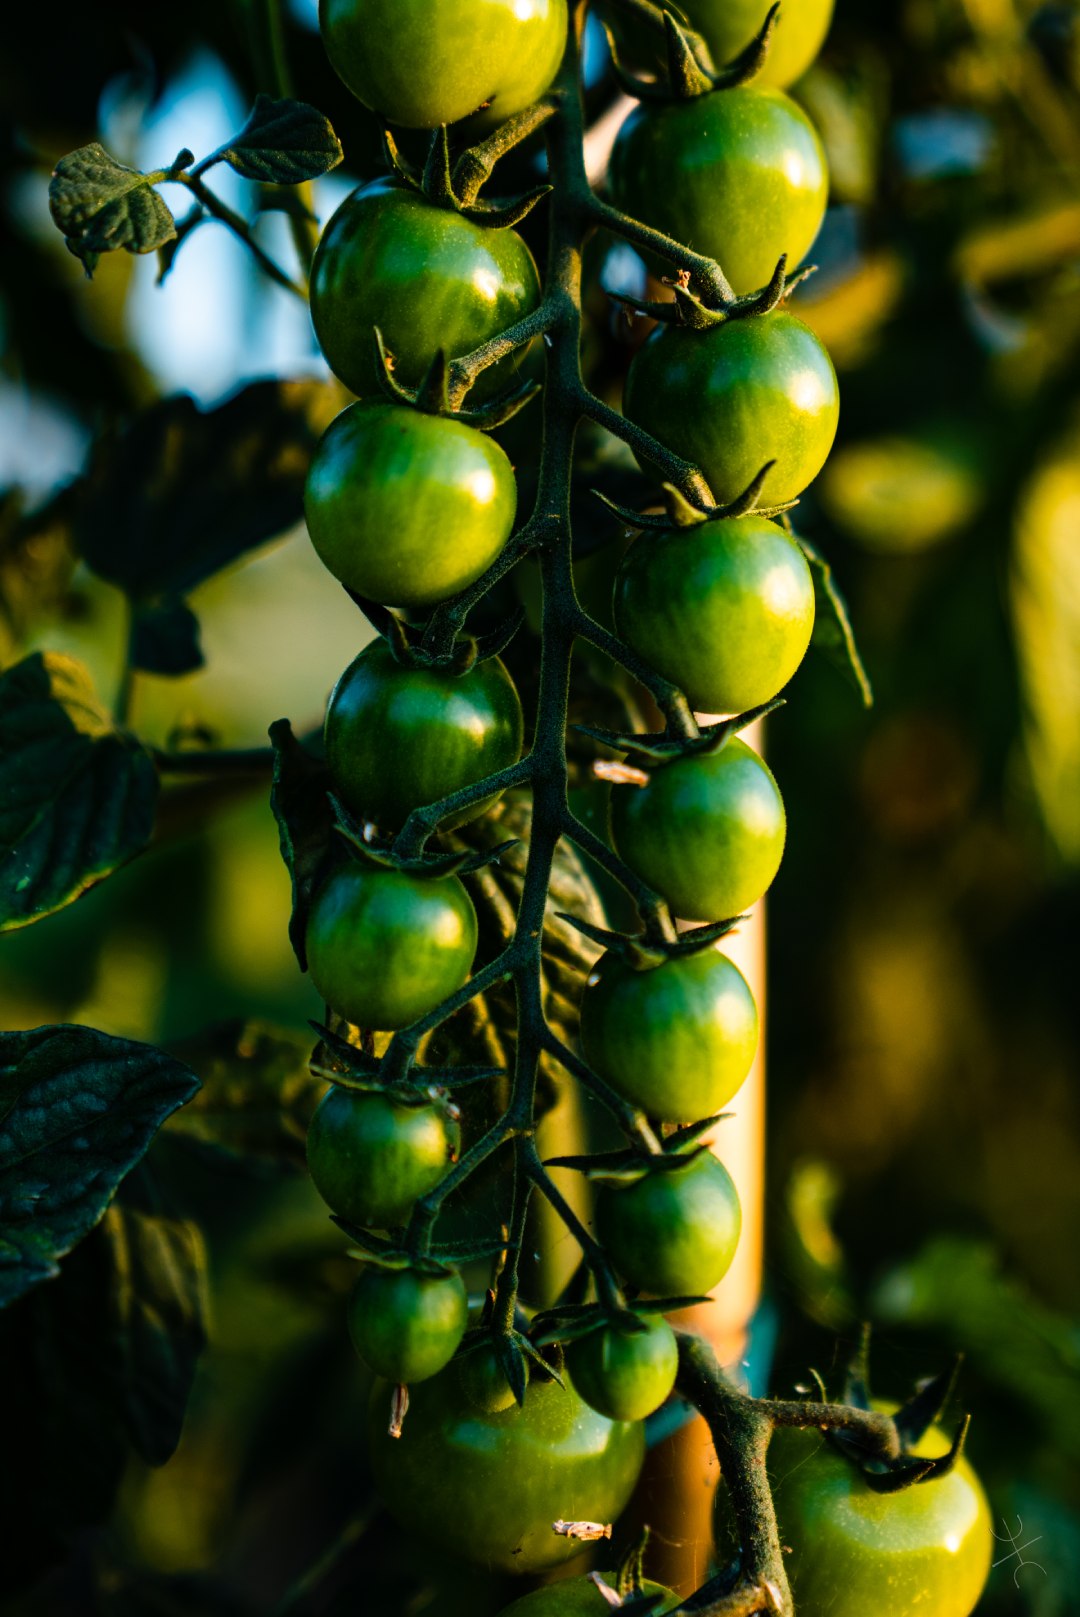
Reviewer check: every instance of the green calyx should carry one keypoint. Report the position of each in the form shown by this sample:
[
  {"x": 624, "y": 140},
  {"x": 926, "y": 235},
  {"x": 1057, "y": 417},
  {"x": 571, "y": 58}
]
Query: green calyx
[
  {"x": 912, "y": 1420},
  {"x": 655, "y": 749},
  {"x": 689, "y": 68},
  {"x": 433, "y": 394},
  {"x": 456, "y": 186},
  {"x": 365, "y": 846},
  {"x": 622, "y": 1168},
  {"x": 644, "y": 951},
  {"x": 689, "y": 310}
]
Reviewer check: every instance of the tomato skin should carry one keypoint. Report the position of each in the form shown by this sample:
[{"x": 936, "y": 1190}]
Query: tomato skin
[
  {"x": 442, "y": 730},
  {"x": 579, "y": 1597},
  {"x": 676, "y": 1041},
  {"x": 427, "y": 277},
  {"x": 725, "y": 610},
  {"x": 675, "y": 1232},
  {"x": 427, "y": 62},
  {"x": 625, "y": 1375},
  {"x": 728, "y": 26},
  {"x": 707, "y": 832},
  {"x": 371, "y": 1160},
  {"x": 405, "y": 1325},
  {"x": 407, "y": 508},
  {"x": 740, "y": 176},
  {"x": 489, "y": 1486},
  {"x": 736, "y": 396},
  {"x": 384, "y": 948},
  {"x": 926, "y": 1549},
  {"x": 483, "y": 1383}
]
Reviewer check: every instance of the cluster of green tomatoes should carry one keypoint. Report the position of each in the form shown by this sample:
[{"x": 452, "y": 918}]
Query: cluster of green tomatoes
[{"x": 409, "y": 503}]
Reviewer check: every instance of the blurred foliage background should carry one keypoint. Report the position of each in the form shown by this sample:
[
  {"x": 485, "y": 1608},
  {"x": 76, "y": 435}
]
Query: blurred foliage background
[{"x": 925, "y": 1022}]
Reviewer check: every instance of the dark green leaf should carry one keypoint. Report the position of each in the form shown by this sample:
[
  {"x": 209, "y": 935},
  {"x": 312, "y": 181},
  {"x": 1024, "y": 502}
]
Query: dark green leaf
[
  {"x": 88, "y": 1107},
  {"x": 300, "y": 800},
  {"x": 283, "y": 143},
  {"x": 257, "y": 1094},
  {"x": 833, "y": 635},
  {"x": 77, "y": 796},
  {"x": 158, "y": 1306},
  {"x": 183, "y": 492},
  {"x": 165, "y": 638},
  {"x": 102, "y": 206}
]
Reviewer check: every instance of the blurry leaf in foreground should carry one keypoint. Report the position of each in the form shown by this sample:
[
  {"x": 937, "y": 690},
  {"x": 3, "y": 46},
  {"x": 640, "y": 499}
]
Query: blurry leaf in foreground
[
  {"x": 957, "y": 1287},
  {"x": 283, "y": 143},
  {"x": 257, "y": 1094},
  {"x": 183, "y": 491},
  {"x": 165, "y": 638},
  {"x": 102, "y": 206},
  {"x": 87, "y": 1107},
  {"x": 77, "y": 796},
  {"x": 1044, "y": 595}
]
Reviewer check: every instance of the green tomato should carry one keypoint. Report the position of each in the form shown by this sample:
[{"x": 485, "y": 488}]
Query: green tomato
[
  {"x": 442, "y": 730},
  {"x": 707, "y": 832},
  {"x": 624, "y": 1374},
  {"x": 740, "y": 176},
  {"x": 488, "y": 1486},
  {"x": 407, "y": 508},
  {"x": 579, "y": 1597},
  {"x": 427, "y": 277},
  {"x": 757, "y": 389},
  {"x": 483, "y": 1381},
  {"x": 673, "y": 1232},
  {"x": 925, "y": 1550},
  {"x": 728, "y": 26},
  {"x": 427, "y": 62},
  {"x": 725, "y": 610},
  {"x": 406, "y": 1325},
  {"x": 384, "y": 948},
  {"x": 676, "y": 1041},
  {"x": 371, "y": 1159}
]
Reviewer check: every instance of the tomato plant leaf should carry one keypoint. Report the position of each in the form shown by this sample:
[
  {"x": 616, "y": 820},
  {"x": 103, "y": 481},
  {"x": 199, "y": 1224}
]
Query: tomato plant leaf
[
  {"x": 100, "y": 205},
  {"x": 257, "y": 1095},
  {"x": 87, "y": 1108},
  {"x": 300, "y": 800},
  {"x": 158, "y": 1311},
  {"x": 833, "y": 635},
  {"x": 283, "y": 143},
  {"x": 183, "y": 491},
  {"x": 77, "y": 796},
  {"x": 165, "y": 638}
]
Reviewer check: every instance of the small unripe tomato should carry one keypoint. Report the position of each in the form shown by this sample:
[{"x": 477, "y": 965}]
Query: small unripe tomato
[
  {"x": 406, "y": 1325},
  {"x": 427, "y": 277},
  {"x": 707, "y": 832},
  {"x": 734, "y": 397},
  {"x": 579, "y": 1597},
  {"x": 483, "y": 1380},
  {"x": 384, "y": 948},
  {"x": 427, "y": 62},
  {"x": 677, "y": 1040},
  {"x": 725, "y": 610},
  {"x": 741, "y": 176},
  {"x": 925, "y": 1549},
  {"x": 673, "y": 1232},
  {"x": 371, "y": 1158},
  {"x": 442, "y": 731},
  {"x": 407, "y": 508},
  {"x": 625, "y": 1374},
  {"x": 728, "y": 26}
]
